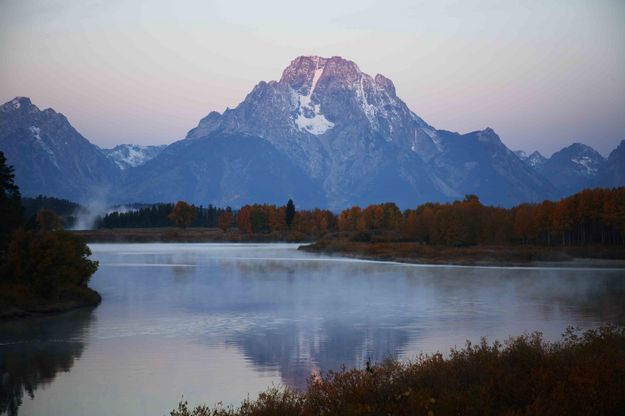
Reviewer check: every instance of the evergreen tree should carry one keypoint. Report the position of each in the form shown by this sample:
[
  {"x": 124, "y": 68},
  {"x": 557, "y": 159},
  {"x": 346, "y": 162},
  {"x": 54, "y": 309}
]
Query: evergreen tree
[
  {"x": 290, "y": 213},
  {"x": 10, "y": 204}
]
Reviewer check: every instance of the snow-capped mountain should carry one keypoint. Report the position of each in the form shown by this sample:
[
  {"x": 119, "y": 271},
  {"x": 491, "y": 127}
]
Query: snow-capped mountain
[
  {"x": 132, "y": 155},
  {"x": 573, "y": 168},
  {"x": 360, "y": 143},
  {"x": 535, "y": 159},
  {"x": 326, "y": 134},
  {"x": 50, "y": 157}
]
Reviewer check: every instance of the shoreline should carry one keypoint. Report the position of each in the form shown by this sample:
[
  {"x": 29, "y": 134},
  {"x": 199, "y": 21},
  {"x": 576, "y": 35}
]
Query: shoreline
[
  {"x": 187, "y": 235},
  {"x": 477, "y": 256},
  {"x": 389, "y": 251},
  {"x": 22, "y": 305}
]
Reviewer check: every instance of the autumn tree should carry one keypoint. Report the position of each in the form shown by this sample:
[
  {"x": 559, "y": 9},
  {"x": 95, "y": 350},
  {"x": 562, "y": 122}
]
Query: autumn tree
[
  {"x": 244, "y": 219},
  {"x": 348, "y": 219},
  {"x": 182, "y": 214},
  {"x": 410, "y": 224},
  {"x": 225, "y": 220},
  {"x": 524, "y": 228}
]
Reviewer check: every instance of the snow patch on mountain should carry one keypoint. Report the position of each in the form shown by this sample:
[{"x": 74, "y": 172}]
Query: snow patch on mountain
[
  {"x": 368, "y": 109},
  {"x": 309, "y": 116},
  {"x": 36, "y": 131},
  {"x": 132, "y": 155},
  {"x": 588, "y": 166},
  {"x": 534, "y": 160}
]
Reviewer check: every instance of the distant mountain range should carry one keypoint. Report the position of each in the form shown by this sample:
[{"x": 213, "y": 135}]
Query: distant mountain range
[
  {"x": 325, "y": 134},
  {"x": 132, "y": 155}
]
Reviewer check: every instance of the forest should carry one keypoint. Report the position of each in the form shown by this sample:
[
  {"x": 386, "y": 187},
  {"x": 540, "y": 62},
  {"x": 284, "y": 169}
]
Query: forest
[
  {"x": 158, "y": 215},
  {"x": 592, "y": 216}
]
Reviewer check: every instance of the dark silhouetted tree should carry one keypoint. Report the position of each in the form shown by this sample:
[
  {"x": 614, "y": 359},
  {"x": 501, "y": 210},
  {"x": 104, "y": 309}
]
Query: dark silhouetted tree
[
  {"x": 47, "y": 220},
  {"x": 290, "y": 213},
  {"x": 48, "y": 261},
  {"x": 10, "y": 204}
]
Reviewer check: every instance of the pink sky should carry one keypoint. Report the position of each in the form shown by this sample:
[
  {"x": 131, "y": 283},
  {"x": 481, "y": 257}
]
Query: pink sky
[{"x": 542, "y": 74}]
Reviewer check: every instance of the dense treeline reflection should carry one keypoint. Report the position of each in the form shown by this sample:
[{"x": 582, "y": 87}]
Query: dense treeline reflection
[{"x": 32, "y": 355}]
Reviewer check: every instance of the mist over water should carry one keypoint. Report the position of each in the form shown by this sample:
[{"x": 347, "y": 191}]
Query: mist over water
[{"x": 217, "y": 322}]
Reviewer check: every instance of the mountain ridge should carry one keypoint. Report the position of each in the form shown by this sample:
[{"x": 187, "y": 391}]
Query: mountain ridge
[{"x": 325, "y": 127}]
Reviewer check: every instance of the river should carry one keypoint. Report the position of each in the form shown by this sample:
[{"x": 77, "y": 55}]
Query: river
[{"x": 219, "y": 322}]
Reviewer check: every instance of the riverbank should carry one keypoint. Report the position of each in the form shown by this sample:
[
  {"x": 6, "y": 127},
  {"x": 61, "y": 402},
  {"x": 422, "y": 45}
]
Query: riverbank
[
  {"x": 18, "y": 301},
  {"x": 187, "y": 235},
  {"x": 503, "y": 255}
]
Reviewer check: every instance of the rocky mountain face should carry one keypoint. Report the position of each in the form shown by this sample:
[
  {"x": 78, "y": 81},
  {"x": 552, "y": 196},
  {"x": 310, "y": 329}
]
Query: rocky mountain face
[
  {"x": 326, "y": 135},
  {"x": 360, "y": 143},
  {"x": 49, "y": 156},
  {"x": 573, "y": 168},
  {"x": 479, "y": 163},
  {"x": 229, "y": 170},
  {"x": 613, "y": 173},
  {"x": 132, "y": 155}
]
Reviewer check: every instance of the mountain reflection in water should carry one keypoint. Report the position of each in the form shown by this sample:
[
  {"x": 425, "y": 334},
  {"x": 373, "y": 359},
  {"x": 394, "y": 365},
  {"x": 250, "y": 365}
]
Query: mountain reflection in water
[{"x": 219, "y": 322}]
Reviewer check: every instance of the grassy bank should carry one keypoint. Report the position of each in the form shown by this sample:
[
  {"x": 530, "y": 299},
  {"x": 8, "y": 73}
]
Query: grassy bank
[
  {"x": 188, "y": 235},
  {"x": 20, "y": 301},
  {"x": 580, "y": 375},
  {"x": 501, "y": 255}
]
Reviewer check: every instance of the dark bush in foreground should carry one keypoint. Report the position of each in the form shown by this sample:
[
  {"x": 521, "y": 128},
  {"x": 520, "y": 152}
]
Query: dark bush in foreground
[
  {"x": 580, "y": 375},
  {"x": 47, "y": 261}
]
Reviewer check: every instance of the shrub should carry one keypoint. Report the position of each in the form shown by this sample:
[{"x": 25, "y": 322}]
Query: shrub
[
  {"x": 580, "y": 375},
  {"x": 47, "y": 261}
]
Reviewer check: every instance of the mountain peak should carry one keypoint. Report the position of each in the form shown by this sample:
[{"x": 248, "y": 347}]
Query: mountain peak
[
  {"x": 302, "y": 69},
  {"x": 16, "y": 104},
  {"x": 488, "y": 135}
]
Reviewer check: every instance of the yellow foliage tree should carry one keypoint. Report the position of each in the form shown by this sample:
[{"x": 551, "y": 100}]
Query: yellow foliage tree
[{"x": 182, "y": 214}]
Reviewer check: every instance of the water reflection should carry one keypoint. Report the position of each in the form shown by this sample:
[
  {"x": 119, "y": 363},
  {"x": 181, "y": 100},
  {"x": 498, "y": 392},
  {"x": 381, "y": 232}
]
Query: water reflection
[
  {"x": 300, "y": 350},
  {"x": 34, "y": 351},
  {"x": 219, "y": 322}
]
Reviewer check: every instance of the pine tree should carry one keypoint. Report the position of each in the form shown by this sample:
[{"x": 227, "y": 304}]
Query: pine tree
[
  {"x": 290, "y": 213},
  {"x": 10, "y": 204}
]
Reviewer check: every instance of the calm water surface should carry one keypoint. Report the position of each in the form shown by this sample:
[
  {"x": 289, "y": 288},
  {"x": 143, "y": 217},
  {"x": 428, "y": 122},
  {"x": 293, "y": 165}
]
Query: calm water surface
[{"x": 219, "y": 322}]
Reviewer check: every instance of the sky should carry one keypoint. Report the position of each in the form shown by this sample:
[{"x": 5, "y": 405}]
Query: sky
[{"x": 541, "y": 73}]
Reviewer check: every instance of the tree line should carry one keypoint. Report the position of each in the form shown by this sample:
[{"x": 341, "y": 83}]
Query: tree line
[
  {"x": 158, "y": 215},
  {"x": 588, "y": 217},
  {"x": 592, "y": 216}
]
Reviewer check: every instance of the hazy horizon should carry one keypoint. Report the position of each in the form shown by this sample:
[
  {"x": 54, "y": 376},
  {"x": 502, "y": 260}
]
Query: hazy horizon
[{"x": 542, "y": 76}]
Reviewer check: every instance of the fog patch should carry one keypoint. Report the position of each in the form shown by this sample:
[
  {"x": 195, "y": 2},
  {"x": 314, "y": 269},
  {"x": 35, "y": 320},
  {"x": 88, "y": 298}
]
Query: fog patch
[{"x": 88, "y": 215}]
